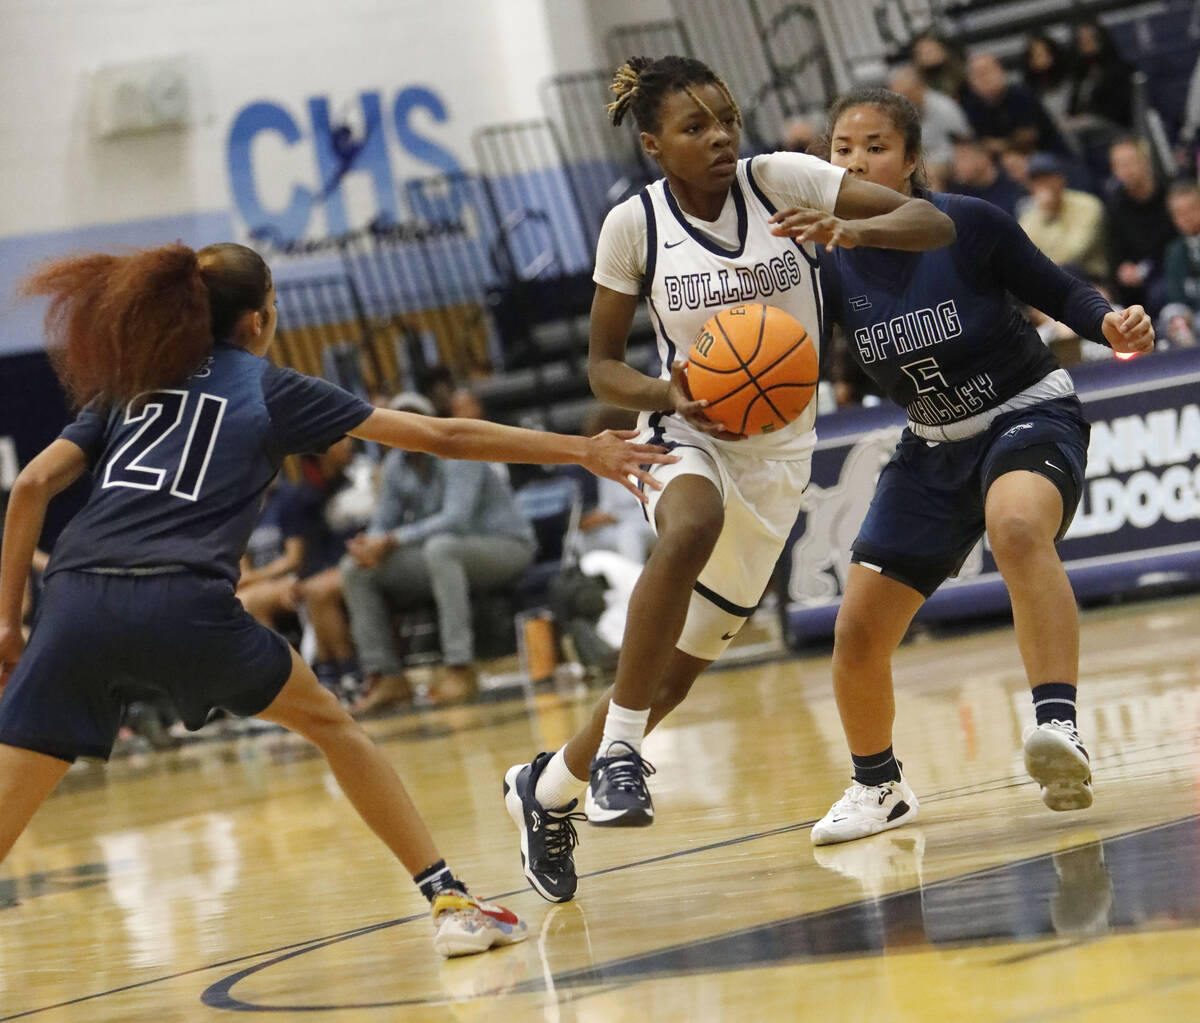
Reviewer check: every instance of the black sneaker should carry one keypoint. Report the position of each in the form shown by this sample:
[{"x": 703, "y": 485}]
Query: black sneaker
[
  {"x": 548, "y": 836},
  {"x": 617, "y": 796}
]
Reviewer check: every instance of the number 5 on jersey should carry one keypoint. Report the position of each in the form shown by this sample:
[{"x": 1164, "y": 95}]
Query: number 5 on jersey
[{"x": 160, "y": 413}]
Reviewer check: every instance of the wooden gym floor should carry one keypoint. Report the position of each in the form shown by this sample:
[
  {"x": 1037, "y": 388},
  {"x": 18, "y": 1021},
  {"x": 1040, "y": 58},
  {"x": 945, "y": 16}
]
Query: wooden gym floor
[{"x": 232, "y": 877}]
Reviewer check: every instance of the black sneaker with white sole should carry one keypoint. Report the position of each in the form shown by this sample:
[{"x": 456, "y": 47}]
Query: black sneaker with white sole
[
  {"x": 548, "y": 835},
  {"x": 617, "y": 795}
]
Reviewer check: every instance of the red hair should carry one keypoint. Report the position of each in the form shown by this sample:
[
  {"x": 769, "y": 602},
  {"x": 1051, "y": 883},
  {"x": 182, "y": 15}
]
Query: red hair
[{"x": 118, "y": 326}]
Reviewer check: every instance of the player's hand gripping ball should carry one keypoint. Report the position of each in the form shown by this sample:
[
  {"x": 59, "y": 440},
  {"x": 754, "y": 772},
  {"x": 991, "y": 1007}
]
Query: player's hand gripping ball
[{"x": 756, "y": 366}]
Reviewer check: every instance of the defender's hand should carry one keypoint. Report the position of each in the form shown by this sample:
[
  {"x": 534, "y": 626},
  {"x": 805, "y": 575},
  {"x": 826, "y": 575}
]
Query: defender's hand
[{"x": 611, "y": 455}]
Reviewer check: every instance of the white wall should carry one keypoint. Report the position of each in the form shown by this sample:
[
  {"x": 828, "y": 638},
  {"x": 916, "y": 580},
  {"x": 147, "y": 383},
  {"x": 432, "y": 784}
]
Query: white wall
[{"x": 63, "y": 188}]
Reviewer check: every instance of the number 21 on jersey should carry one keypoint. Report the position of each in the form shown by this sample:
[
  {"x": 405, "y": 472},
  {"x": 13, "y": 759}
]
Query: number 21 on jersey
[{"x": 160, "y": 414}]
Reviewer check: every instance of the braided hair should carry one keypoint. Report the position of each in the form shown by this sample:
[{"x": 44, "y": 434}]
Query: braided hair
[{"x": 642, "y": 83}]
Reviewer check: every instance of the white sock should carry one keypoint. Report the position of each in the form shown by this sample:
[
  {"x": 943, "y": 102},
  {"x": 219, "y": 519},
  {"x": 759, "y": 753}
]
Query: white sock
[
  {"x": 624, "y": 725},
  {"x": 557, "y": 786}
]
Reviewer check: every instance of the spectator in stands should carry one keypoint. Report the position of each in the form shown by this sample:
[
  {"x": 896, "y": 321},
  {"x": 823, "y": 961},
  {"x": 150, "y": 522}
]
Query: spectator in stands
[
  {"x": 1015, "y": 165},
  {"x": 938, "y": 62},
  {"x": 271, "y": 562},
  {"x": 1180, "y": 319},
  {"x": 975, "y": 171},
  {"x": 438, "y": 385},
  {"x": 941, "y": 119},
  {"x": 1067, "y": 225},
  {"x": 1189, "y": 131},
  {"x": 1006, "y": 113},
  {"x": 1102, "y": 83},
  {"x": 441, "y": 529},
  {"x": 1045, "y": 67},
  {"x": 313, "y": 513},
  {"x": 801, "y": 132},
  {"x": 1139, "y": 225}
]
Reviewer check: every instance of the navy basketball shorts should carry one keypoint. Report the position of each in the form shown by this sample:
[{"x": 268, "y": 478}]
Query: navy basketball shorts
[
  {"x": 101, "y": 641},
  {"x": 928, "y": 509}
]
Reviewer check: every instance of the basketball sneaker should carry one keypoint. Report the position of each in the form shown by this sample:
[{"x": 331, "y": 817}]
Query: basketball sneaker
[
  {"x": 1057, "y": 761},
  {"x": 617, "y": 796},
  {"x": 866, "y": 810},
  {"x": 463, "y": 925},
  {"x": 548, "y": 835}
]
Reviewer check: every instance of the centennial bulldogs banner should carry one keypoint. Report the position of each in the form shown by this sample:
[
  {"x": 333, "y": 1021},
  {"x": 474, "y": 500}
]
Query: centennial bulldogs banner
[{"x": 1138, "y": 523}]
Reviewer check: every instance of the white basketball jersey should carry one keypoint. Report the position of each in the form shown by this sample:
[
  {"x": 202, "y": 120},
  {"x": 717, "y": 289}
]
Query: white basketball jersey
[{"x": 690, "y": 277}]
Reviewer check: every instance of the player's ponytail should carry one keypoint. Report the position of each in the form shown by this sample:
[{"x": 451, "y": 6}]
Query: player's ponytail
[
  {"x": 118, "y": 326},
  {"x": 642, "y": 83}
]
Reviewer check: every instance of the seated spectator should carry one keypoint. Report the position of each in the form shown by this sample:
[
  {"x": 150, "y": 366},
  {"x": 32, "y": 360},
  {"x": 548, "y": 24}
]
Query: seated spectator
[
  {"x": 441, "y": 529},
  {"x": 324, "y": 510},
  {"x": 1139, "y": 226},
  {"x": 938, "y": 62},
  {"x": 438, "y": 385},
  {"x": 269, "y": 566},
  {"x": 1102, "y": 83},
  {"x": 976, "y": 172},
  {"x": 941, "y": 119},
  {"x": 800, "y": 133},
  {"x": 1068, "y": 226},
  {"x": 1179, "y": 323},
  {"x": 1046, "y": 69},
  {"x": 1015, "y": 165},
  {"x": 1006, "y": 113}
]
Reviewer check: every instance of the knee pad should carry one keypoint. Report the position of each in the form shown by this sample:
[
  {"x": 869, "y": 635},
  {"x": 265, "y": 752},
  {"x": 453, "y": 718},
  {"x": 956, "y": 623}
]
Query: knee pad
[{"x": 707, "y": 630}]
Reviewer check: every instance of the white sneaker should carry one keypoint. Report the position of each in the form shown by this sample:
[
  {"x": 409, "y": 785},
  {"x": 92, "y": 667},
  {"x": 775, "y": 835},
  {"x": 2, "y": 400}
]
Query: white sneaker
[
  {"x": 866, "y": 810},
  {"x": 464, "y": 925},
  {"x": 1057, "y": 761}
]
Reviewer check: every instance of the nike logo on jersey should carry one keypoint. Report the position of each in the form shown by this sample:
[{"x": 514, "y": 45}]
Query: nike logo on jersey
[
  {"x": 1053, "y": 466},
  {"x": 671, "y": 245},
  {"x": 1012, "y": 431},
  {"x": 860, "y": 302}
]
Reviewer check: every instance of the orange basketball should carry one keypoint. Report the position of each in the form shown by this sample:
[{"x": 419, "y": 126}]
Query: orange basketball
[{"x": 756, "y": 366}]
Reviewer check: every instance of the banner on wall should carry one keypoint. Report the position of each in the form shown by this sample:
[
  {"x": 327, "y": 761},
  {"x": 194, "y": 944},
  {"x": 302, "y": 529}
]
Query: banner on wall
[{"x": 1138, "y": 523}]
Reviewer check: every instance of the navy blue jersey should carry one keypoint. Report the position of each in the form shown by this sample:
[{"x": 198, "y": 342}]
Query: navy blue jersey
[
  {"x": 180, "y": 474},
  {"x": 939, "y": 331}
]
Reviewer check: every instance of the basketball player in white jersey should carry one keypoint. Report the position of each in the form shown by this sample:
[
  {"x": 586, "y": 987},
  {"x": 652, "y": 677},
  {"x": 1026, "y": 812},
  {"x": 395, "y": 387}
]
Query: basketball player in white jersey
[{"x": 705, "y": 237}]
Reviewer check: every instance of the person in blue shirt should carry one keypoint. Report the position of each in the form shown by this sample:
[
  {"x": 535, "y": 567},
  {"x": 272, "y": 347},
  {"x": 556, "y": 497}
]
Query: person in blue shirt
[
  {"x": 184, "y": 425},
  {"x": 996, "y": 442}
]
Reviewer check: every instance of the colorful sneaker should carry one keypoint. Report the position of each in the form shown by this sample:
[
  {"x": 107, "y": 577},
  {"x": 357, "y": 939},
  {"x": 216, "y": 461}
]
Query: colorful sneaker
[
  {"x": 548, "y": 836},
  {"x": 617, "y": 796},
  {"x": 866, "y": 810},
  {"x": 464, "y": 925},
  {"x": 1057, "y": 761}
]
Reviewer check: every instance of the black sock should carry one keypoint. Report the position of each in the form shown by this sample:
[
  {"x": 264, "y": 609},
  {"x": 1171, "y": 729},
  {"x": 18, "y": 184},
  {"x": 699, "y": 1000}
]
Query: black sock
[
  {"x": 877, "y": 769},
  {"x": 1054, "y": 701},
  {"x": 435, "y": 879}
]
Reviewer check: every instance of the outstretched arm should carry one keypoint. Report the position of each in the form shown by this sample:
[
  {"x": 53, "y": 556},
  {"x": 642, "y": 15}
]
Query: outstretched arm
[
  {"x": 998, "y": 243},
  {"x": 608, "y": 454},
  {"x": 869, "y": 214}
]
